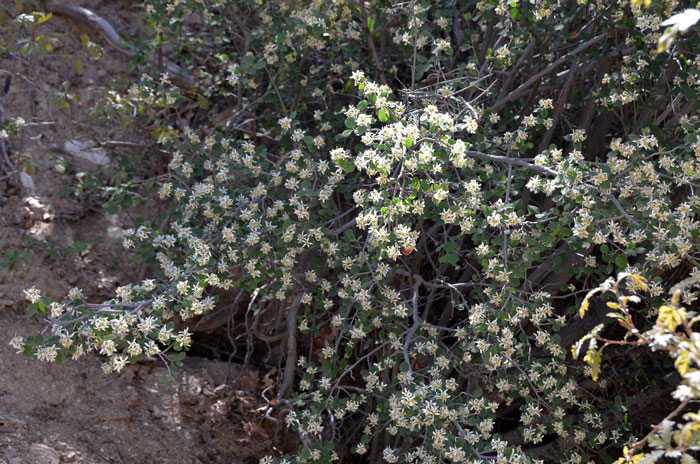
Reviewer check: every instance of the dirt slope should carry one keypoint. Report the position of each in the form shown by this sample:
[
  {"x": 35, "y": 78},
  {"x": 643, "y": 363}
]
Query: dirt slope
[{"x": 73, "y": 413}]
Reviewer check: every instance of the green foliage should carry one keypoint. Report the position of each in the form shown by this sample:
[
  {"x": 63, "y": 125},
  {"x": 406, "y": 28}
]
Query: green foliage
[{"x": 426, "y": 193}]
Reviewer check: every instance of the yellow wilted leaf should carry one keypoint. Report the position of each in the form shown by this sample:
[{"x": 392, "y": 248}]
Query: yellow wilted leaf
[
  {"x": 576, "y": 347},
  {"x": 627, "y": 459},
  {"x": 667, "y": 39},
  {"x": 584, "y": 303},
  {"x": 593, "y": 358},
  {"x": 682, "y": 363},
  {"x": 676, "y": 298},
  {"x": 613, "y": 305},
  {"x": 670, "y": 317},
  {"x": 690, "y": 428},
  {"x": 584, "y": 307},
  {"x": 684, "y": 435},
  {"x": 640, "y": 281}
]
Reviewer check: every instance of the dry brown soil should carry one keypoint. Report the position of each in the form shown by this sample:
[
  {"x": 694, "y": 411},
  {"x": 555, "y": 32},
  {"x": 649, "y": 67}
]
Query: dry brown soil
[{"x": 72, "y": 412}]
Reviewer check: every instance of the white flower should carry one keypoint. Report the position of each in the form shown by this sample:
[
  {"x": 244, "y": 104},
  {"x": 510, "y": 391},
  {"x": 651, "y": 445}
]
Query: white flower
[
  {"x": 17, "y": 343},
  {"x": 56, "y": 310},
  {"x": 683, "y": 392},
  {"x": 32, "y": 294},
  {"x": 693, "y": 379},
  {"x": 661, "y": 341}
]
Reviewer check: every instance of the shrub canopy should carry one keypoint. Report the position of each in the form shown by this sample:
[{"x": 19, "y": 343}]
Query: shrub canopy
[{"x": 415, "y": 200}]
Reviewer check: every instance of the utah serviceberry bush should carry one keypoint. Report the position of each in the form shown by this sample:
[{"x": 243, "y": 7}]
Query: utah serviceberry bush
[{"x": 412, "y": 201}]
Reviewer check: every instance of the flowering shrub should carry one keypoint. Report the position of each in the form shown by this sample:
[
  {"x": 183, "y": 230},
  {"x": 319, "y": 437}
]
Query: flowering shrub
[
  {"x": 413, "y": 200},
  {"x": 673, "y": 332}
]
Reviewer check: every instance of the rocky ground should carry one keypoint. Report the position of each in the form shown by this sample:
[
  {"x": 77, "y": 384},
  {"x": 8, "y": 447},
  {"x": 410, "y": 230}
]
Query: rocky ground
[{"x": 72, "y": 412}]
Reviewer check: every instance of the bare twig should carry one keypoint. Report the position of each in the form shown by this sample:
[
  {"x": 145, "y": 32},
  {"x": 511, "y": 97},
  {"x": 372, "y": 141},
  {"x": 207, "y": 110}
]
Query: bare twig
[
  {"x": 290, "y": 368},
  {"x": 561, "y": 103},
  {"x": 415, "y": 43},
  {"x": 417, "y": 321},
  {"x": 268, "y": 338},
  {"x": 640, "y": 444},
  {"x": 516, "y": 161},
  {"x": 375, "y": 56},
  {"x": 501, "y": 103},
  {"x": 513, "y": 72},
  {"x": 3, "y": 147},
  {"x": 550, "y": 172},
  {"x": 348, "y": 225}
]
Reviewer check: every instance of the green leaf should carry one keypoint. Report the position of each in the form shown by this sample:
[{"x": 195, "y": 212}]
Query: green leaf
[
  {"x": 350, "y": 123},
  {"x": 177, "y": 359},
  {"x": 167, "y": 380},
  {"x": 346, "y": 165},
  {"x": 451, "y": 246},
  {"x": 202, "y": 102},
  {"x": 32, "y": 309},
  {"x": 621, "y": 261},
  {"x": 450, "y": 259},
  {"x": 383, "y": 115},
  {"x": 42, "y": 308},
  {"x": 605, "y": 456},
  {"x": 548, "y": 239},
  {"x": 111, "y": 208}
]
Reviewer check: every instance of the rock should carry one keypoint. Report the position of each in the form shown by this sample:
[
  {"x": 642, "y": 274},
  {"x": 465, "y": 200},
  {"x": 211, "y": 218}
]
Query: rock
[
  {"x": 115, "y": 232},
  {"x": 10, "y": 423},
  {"x": 44, "y": 454},
  {"x": 87, "y": 151},
  {"x": 26, "y": 180},
  {"x": 36, "y": 208}
]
